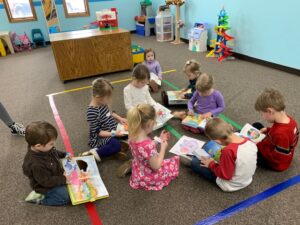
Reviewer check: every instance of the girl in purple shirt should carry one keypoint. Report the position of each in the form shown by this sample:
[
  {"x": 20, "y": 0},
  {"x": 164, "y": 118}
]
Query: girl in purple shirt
[
  {"x": 206, "y": 101},
  {"x": 154, "y": 68}
]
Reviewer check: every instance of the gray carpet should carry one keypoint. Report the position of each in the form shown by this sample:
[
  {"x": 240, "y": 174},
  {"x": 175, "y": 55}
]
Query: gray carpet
[{"x": 27, "y": 78}]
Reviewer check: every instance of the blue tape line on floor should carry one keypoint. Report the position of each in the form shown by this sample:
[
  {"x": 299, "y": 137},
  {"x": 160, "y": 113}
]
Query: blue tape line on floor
[{"x": 250, "y": 201}]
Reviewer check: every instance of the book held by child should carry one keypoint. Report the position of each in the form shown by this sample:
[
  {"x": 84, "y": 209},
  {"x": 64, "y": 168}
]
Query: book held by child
[
  {"x": 123, "y": 128},
  {"x": 252, "y": 133},
  {"x": 85, "y": 184},
  {"x": 194, "y": 121},
  {"x": 175, "y": 97},
  {"x": 162, "y": 115}
]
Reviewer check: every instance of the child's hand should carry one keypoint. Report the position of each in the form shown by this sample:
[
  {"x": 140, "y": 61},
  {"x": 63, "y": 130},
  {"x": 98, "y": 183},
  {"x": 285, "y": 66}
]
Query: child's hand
[
  {"x": 263, "y": 130},
  {"x": 68, "y": 178},
  {"x": 123, "y": 121},
  {"x": 119, "y": 134},
  {"x": 205, "y": 161},
  {"x": 164, "y": 144},
  {"x": 164, "y": 136},
  {"x": 206, "y": 115},
  {"x": 191, "y": 113},
  {"x": 69, "y": 156}
]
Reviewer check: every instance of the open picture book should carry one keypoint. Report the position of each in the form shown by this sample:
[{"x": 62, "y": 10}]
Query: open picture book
[
  {"x": 155, "y": 78},
  {"x": 252, "y": 133},
  {"x": 195, "y": 121},
  {"x": 122, "y": 128},
  {"x": 162, "y": 115},
  {"x": 174, "y": 97},
  {"x": 86, "y": 184},
  {"x": 191, "y": 146}
]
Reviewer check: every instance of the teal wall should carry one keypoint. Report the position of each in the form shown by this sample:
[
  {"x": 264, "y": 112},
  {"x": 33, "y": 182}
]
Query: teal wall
[
  {"x": 126, "y": 12},
  {"x": 266, "y": 30}
]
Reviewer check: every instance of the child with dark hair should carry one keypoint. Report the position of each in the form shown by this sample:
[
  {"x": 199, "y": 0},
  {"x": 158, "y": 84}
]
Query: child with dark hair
[
  {"x": 43, "y": 167},
  {"x": 154, "y": 68}
]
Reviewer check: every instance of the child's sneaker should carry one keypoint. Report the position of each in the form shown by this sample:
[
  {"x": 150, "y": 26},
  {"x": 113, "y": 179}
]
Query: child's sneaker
[
  {"x": 34, "y": 197},
  {"x": 186, "y": 160},
  {"x": 124, "y": 169},
  {"x": 92, "y": 152},
  {"x": 17, "y": 129}
]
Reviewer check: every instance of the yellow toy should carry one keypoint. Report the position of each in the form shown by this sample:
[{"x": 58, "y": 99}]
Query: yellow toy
[{"x": 2, "y": 49}]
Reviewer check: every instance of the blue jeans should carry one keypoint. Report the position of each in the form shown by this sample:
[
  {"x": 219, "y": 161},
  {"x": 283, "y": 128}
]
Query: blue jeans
[
  {"x": 112, "y": 146},
  {"x": 203, "y": 171},
  {"x": 57, "y": 196}
]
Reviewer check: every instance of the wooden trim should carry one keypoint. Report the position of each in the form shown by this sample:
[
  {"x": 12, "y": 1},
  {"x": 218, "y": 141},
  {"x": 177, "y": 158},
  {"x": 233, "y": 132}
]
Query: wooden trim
[
  {"x": 71, "y": 15},
  {"x": 18, "y": 20}
]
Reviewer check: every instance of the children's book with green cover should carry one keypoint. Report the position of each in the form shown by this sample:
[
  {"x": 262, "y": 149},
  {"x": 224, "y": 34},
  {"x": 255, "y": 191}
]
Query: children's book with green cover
[
  {"x": 213, "y": 149},
  {"x": 86, "y": 184}
]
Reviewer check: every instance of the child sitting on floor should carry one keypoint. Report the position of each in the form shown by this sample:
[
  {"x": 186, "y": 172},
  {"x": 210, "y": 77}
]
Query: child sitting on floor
[
  {"x": 149, "y": 169},
  {"x": 154, "y": 68},
  {"x": 103, "y": 138},
  {"x": 206, "y": 100},
  {"x": 192, "y": 71},
  {"x": 276, "y": 151},
  {"x": 43, "y": 167},
  {"x": 137, "y": 91},
  {"x": 237, "y": 161}
]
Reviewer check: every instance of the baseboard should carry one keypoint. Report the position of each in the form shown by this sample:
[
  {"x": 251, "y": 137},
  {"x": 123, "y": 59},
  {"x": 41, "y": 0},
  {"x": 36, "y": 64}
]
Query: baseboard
[{"x": 259, "y": 61}]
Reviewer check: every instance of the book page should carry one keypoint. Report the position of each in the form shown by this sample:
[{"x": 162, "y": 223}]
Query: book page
[
  {"x": 85, "y": 182},
  {"x": 252, "y": 133},
  {"x": 162, "y": 115},
  {"x": 122, "y": 128},
  {"x": 186, "y": 146},
  {"x": 213, "y": 149},
  {"x": 155, "y": 78}
]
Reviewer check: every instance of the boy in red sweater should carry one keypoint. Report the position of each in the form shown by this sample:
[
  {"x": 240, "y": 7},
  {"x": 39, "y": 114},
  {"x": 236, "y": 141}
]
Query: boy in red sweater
[{"x": 276, "y": 151}]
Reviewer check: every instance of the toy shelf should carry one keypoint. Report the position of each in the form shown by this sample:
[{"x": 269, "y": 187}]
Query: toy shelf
[{"x": 164, "y": 27}]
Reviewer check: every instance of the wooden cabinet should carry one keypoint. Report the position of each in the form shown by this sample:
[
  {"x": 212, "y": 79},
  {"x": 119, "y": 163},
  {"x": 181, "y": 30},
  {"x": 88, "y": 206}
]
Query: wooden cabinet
[{"x": 91, "y": 52}]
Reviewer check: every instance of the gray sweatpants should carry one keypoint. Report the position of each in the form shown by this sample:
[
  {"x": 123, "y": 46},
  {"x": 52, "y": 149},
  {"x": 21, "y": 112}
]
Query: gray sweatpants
[{"x": 4, "y": 116}]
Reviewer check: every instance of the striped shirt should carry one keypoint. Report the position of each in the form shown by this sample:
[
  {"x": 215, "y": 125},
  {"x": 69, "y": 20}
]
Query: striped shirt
[{"x": 99, "y": 118}]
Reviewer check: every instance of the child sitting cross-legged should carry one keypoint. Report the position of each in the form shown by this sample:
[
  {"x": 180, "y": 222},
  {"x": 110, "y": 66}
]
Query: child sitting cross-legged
[
  {"x": 277, "y": 149},
  {"x": 103, "y": 137},
  {"x": 43, "y": 167},
  {"x": 237, "y": 162},
  {"x": 149, "y": 169},
  {"x": 206, "y": 100}
]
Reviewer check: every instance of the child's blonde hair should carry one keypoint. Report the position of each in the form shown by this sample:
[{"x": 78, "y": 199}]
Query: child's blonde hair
[
  {"x": 270, "y": 98},
  {"x": 205, "y": 82},
  {"x": 138, "y": 117},
  {"x": 192, "y": 66},
  {"x": 141, "y": 72},
  {"x": 101, "y": 88},
  {"x": 218, "y": 129}
]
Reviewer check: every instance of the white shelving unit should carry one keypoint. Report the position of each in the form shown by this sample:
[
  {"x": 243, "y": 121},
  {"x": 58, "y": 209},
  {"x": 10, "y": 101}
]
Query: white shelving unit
[{"x": 164, "y": 27}]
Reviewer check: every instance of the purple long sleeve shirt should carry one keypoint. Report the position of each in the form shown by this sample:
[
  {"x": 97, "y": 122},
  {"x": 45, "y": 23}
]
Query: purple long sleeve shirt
[
  {"x": 154, "y": 67},
  {"x": 213, "y": 103}
]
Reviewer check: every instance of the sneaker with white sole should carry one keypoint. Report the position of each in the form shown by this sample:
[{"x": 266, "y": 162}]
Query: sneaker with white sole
[
  {"x": 92, "y": 152},
  {"x": 17, "y": 129},
  {"x": 34, "y": 197}
]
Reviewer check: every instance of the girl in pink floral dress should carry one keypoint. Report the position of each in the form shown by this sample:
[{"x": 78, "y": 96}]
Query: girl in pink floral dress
[{"x": 149, "y": 169}]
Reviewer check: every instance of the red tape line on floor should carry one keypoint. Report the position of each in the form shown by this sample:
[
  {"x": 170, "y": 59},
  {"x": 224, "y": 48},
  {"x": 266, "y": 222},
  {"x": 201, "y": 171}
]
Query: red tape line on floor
[{"x": 65, "y": 137}]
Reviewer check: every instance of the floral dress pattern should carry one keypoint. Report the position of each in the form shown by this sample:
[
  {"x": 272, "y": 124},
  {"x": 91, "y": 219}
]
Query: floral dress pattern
[{"x": 143, "y": 176}]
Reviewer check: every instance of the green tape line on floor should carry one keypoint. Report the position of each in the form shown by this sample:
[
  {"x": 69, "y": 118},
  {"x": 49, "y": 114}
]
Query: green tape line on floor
[
  {"x": 236, "y": 125},
  {"x": 172, "y": 131}
]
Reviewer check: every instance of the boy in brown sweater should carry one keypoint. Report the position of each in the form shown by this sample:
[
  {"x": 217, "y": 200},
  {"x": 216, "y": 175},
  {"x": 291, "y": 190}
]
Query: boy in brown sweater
[{"x": 43, "y": 167}]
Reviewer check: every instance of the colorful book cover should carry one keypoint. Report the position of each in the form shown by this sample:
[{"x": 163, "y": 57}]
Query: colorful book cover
[
  {"x": 194, "y": 121},
  {"x": 174, "y": 97},
  {"x": 86, "y": 184},
  {"x": 213, "y": 149},
  {"x": 186, "y": 146},
  {"x": 252, "y": 133},
  {"x": 162, "y": 115}
]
